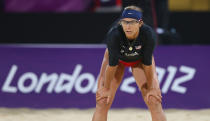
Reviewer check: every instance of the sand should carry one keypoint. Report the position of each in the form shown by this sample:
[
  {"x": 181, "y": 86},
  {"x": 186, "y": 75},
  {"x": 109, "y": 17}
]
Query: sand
[{"x": 23, "y": 114}]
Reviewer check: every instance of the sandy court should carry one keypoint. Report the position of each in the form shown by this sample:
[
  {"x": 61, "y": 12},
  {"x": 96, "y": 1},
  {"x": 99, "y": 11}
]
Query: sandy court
[{"x": 24, "y": 114}]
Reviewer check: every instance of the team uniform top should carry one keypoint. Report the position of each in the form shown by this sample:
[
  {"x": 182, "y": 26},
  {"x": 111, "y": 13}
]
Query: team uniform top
[{"x": 122, "y": 49}]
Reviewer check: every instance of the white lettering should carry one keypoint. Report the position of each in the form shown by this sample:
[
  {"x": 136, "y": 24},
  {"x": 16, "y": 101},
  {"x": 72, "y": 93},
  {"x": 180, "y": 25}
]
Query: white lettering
[
  {"x": 160, "y": 72},
  {"x": 25, "y": 77},
  {"x": 125, "y": 85},
  {"x": 52, "y": 78},
  {"x": 81, "y": 78},
  {"x": 172, "y": 71},
  {"x": 66, "y": 82},
  {"x": 70, "y": 78},
  {"x": 7, "y": 87},
  {"x": 190, "y": 72}
]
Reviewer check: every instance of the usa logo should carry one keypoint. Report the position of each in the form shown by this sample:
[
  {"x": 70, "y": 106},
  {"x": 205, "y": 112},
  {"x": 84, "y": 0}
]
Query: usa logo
[{"x": 138, "y": 47}]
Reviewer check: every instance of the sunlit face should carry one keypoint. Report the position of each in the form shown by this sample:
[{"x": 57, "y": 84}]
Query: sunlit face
[{"x": 131, "y": 27}]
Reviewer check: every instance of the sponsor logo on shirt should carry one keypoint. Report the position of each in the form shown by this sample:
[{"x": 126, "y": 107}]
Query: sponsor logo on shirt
[
  {"x": 122, "y": 51},
  {"x": 131, "y": 54}
]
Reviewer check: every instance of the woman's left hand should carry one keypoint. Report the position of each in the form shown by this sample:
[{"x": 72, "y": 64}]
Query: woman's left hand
[{"x": 154, "y": 92}]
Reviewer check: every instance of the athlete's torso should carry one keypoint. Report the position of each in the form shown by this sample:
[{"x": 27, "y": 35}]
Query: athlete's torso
[{"x": 129, "y": 50}]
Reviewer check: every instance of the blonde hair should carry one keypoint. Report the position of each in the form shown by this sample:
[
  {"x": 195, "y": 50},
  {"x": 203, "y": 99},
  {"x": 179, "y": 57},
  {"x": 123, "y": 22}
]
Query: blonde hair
[{"x": 132, "y": 7}]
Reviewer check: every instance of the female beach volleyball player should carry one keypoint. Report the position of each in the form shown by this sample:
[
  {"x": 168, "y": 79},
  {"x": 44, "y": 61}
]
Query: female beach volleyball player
[{"x": 130, "y": 43}]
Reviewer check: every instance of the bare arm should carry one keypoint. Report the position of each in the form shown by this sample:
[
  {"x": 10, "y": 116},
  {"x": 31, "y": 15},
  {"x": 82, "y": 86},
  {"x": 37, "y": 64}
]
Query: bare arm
[
  {"x": 103, "y": 69},
  {"x": 109, "y": 75},
  {"x": 106, "y": 73}
]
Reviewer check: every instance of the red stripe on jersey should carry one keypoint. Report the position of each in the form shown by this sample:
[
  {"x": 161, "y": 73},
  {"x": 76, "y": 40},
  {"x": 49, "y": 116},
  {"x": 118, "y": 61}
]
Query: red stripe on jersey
[{"x": 129, "y": 64}]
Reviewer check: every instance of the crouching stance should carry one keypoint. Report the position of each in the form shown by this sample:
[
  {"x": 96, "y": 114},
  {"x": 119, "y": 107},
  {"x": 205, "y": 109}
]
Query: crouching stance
[{"x": 130, "y": 43}]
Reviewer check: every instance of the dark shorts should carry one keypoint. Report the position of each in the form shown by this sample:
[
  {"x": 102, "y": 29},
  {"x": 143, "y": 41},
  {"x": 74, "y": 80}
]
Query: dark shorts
[{"x": 130, "y": 64}]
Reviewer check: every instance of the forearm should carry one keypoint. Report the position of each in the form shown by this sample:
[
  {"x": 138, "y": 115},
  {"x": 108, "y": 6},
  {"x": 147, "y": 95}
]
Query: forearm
[
  {"x": 101, "y": 76},
  {"x": 104, "y": 64},
  {"x": 100, "y": 82},
  {"x": 109, "y": 75}
]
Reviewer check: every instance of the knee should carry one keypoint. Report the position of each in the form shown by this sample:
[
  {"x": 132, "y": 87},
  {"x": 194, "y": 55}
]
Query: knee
[
  {"x": 102, "y": 105},
  {"x": 152, "y": 103}
]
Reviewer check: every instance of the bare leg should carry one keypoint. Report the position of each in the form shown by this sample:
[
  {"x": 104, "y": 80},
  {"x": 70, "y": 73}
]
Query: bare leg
[
  {"x": 154, "y": 105},
  {"x": 102, "y": 108}
]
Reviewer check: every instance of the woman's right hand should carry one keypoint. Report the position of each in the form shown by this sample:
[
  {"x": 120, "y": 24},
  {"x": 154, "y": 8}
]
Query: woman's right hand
[{"x": 103, "y": 93}]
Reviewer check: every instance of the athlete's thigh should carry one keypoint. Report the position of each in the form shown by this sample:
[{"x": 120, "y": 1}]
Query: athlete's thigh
[
  {"x": 140, "y": 77},
  {"x": 115, "y": 83},
  {"x": 118, "y": 75}
]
